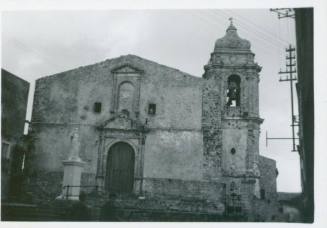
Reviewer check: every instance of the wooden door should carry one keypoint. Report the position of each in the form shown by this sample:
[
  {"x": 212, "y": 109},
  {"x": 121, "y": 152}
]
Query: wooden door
[{"x": 120, "y": 168}]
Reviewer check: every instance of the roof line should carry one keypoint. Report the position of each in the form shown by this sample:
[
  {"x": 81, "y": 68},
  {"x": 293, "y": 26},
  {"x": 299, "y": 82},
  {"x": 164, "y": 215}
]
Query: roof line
[{"x": 122, "y": 57}]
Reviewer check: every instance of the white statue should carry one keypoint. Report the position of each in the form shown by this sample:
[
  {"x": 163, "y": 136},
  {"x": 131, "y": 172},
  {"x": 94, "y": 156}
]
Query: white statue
[
  {"x": 75, "y": 146},
  {"x": 256, "y": 170},
  {"x": 232, "y": 169}
]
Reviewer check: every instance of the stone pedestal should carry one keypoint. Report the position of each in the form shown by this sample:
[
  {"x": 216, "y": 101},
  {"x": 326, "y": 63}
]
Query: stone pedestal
[
  {"x": 257, "y": 188},
  {"x": 72, "y": 179}
]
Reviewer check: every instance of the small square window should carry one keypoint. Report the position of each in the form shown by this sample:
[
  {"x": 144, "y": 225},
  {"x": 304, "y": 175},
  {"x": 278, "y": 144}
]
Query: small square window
[
  {"x": 152, "y": 109},
  {"x": 97, "y": 107}
]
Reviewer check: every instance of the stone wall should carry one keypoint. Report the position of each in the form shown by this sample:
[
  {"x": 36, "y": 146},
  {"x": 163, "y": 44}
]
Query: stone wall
[
  {"x": 173, "y": 144},
  {"x": 44, "y": 187},
  {"x": 234, "y": 161},
  {"x": 173, "y": 154},
  {"x": 207, "y": 190},
  {"x": 211, "y": 124},
  {"x": 68, "y": 97},
  {"x": 14, "y": 95},
  {"x": 53, "y": 144},
  {"x": 268, "y": 175}
]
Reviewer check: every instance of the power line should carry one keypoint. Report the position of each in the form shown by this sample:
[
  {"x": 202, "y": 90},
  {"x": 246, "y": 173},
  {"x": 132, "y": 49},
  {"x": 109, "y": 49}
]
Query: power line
[
  {"x": 267, "y": 47},
  {"x": 255, "y": 35},
  {"x": 25, "y": 48},
  {"x": 257, "y": 32},
  {"x": 261, "y": 29},
  {"x": 284, "y": 12}
]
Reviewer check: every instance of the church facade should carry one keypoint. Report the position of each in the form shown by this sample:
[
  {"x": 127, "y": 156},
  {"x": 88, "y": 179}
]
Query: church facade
[{"x": 149, "y": 130}]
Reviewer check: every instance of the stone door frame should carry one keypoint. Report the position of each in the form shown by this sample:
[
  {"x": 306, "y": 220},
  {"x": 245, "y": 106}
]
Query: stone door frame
[{"x": 109, "y": 137}]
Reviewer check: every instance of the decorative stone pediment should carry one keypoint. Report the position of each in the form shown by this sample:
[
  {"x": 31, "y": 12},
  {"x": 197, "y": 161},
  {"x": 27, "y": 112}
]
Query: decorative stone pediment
[
  {"x": 126, "y": 69},
  {"x": 126, "y": 90},
  {"x": 120, "y": 121}
]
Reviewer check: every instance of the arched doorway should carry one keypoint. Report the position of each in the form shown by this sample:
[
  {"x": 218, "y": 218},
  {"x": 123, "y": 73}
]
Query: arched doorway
[{"x": 120, "y": 168}]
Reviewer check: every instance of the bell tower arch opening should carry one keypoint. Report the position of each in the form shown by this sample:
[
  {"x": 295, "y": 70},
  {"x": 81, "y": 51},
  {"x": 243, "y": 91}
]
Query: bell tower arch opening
[{"x": 233, "y": 91}]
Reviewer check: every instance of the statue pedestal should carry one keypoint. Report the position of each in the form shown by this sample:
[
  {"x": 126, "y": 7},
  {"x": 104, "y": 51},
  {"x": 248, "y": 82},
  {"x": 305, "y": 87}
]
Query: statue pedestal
[{"x": 72, "y": 179}]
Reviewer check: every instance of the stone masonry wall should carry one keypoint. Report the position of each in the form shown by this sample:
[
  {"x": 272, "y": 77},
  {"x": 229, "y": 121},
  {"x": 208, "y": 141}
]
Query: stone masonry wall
[
  {"x": 14, "y": 94},
  {"x": 173, "y": 154},
  {"x": 211, "y": 125},
  {"x": 65, "y": 101},
  {"x": 268, "y": 177},
  {"x": 208, "y": 190},
  {"x": 266, "y": 208}
]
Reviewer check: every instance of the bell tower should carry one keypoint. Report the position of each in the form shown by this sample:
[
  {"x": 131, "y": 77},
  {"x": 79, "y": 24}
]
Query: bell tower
[{"x": 230, "y": 114}]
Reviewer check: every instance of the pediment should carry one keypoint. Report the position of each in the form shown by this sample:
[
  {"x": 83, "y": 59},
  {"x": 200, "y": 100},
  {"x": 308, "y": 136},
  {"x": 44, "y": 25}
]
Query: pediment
[
  {"x": 127, "y": 69},
  {"x": 120, "y": 121}
]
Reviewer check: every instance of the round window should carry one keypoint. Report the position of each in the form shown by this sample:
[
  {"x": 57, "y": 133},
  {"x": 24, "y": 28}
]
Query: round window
[{"x": 233, "y": 151}]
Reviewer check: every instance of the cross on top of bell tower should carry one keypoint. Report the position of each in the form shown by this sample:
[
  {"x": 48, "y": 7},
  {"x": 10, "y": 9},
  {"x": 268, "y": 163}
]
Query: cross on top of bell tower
[
  {"x": 231, "y": 20},
  {"x": 231, "y": 41}
]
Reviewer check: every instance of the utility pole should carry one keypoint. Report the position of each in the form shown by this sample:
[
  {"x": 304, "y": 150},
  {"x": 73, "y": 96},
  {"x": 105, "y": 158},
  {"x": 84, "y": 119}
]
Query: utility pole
[
  {"x": 284, "y": 12},
  {"x": 290, "y": 71},
  {"x": 290, "y": 77}
]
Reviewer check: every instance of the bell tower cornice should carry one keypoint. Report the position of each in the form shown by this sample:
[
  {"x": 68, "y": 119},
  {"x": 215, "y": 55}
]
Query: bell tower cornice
[{"x": 254, "y": 67}]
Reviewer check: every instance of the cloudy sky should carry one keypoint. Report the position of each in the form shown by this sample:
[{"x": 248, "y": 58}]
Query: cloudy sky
[{"x": 40, "y": 43}]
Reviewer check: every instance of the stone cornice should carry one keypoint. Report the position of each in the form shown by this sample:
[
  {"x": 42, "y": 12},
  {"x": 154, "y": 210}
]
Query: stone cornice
[
  {"x": 253, "y": 119},
  {"x": 255, "y": 67},
  {"x": 233, "y": 52},
  {"x": 127, "y": 68}
]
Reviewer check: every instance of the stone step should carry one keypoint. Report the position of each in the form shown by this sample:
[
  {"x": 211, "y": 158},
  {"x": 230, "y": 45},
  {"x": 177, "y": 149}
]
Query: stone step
[
  {"x": 128, "y": 208},
  {"x": 20, "y": 212}
]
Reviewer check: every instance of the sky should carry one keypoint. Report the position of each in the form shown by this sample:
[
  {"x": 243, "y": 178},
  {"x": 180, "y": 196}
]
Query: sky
[{"x": 40, "y": 43}]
